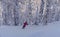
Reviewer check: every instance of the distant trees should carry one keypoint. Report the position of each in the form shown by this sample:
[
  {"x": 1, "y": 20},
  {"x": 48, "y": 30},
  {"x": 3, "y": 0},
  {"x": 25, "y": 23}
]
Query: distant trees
[
  {"x": 15, "y": 12},
  {"x": 1, "y": 9},
  {"x": 7, "y": 13},
  {"x": 10, "y": 12}
]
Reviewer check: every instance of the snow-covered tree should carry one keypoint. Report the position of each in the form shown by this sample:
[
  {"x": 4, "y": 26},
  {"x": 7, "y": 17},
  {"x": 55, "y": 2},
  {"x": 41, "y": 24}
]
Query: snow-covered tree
[{"x": 16, "y": 12}]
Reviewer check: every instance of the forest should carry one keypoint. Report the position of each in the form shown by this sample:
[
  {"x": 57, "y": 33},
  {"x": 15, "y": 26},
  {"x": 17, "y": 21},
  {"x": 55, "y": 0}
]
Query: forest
[{"x": 16, "y": 12}]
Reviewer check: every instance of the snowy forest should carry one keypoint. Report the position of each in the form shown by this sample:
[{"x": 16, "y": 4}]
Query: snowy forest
[{"x": 16, "y": 12}]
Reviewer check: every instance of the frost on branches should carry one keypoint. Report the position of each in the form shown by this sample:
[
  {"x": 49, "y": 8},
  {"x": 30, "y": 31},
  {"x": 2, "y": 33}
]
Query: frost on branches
[{"x": 16, "y": 12}]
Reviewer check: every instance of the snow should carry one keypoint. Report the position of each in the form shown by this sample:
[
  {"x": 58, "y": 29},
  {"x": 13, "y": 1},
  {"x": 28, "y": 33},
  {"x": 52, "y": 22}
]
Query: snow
[
  {"x": 50, "y": 30},
  {"x": 13, "y": 12}
]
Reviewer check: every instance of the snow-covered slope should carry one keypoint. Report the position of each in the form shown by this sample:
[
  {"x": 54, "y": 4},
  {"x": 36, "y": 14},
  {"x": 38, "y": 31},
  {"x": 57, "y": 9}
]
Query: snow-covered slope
[{"x": 50, "y": 30}]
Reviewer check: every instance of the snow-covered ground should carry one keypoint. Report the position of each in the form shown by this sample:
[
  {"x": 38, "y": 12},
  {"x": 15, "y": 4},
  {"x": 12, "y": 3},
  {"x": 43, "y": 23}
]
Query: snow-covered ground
[{"x": 50, "y": 30}]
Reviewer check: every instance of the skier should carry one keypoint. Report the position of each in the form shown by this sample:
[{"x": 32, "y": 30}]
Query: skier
[{"x": 25, "y": 24}]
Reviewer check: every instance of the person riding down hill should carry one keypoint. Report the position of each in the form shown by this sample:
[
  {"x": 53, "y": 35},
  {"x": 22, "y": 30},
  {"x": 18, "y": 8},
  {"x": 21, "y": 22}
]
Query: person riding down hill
[{"x": 25, "y": 24}]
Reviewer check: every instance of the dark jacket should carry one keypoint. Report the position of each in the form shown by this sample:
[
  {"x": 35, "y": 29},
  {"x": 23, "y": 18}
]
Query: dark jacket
[{"x": 25, "y": 24}]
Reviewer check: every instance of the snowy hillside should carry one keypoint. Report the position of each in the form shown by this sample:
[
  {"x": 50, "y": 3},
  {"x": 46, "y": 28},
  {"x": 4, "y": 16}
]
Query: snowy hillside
[
  {"x": 50, "y": 30},
  {"x": 41, "y": 18}
]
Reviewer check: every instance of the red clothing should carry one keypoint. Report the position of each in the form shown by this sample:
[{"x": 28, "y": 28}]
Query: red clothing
[{"x": 25, "y": 24}]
